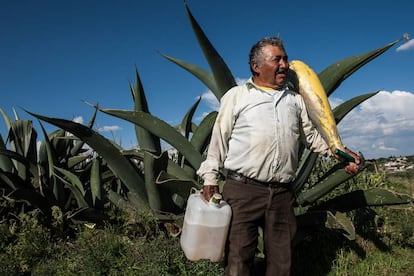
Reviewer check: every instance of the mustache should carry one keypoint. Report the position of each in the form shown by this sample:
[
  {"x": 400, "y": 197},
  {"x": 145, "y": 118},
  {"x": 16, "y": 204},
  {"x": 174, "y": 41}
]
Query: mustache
[{"x": 282, "y": 71}]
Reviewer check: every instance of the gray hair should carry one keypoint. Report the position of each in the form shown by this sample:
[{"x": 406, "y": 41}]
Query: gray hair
[{"x": 256, "y": 54}]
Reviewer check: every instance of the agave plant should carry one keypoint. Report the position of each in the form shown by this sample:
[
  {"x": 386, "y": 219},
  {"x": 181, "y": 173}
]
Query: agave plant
[
  {"x": 48, "y": 178},
  {"x": 153, "y": 182},
  {"x": 161, "y": 184}
]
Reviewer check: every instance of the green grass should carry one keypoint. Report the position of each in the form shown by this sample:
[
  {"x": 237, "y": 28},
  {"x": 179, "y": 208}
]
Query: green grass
[
  {"x": 386, "y": 250},
  {"x": 385, "y": 236},
  {"x": 384, "y": 246},
  {"x": 397, "y": 261},
  {"x": 108, "y": 252},
  {"x": 112, "y": 250}
]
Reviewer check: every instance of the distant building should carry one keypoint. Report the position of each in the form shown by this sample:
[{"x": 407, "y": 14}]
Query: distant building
[{"x": 398, "y": 164}]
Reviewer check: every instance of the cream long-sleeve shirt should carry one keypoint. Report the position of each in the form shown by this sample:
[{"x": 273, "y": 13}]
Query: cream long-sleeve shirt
[{"x": 258, "y": 133}]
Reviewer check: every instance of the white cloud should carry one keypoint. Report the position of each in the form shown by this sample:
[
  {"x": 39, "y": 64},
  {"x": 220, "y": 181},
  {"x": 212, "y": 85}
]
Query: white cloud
[
  {"x": 240, "y": 81},
  {"x": 211, "y": 100},
  {"x": 109, "y": 128},
  {"x": 409, "y": 45},
  {"x": 78, "y": 119},
  {"x": 334, "y": 102},
  {"x": 381, "y": 126}
]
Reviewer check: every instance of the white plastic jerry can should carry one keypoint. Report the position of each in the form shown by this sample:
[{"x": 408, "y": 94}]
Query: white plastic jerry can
[{"x": 205, "y": 227}]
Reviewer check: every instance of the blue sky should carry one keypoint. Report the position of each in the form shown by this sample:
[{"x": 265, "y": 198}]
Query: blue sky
[{"x": 54, "y": 55}]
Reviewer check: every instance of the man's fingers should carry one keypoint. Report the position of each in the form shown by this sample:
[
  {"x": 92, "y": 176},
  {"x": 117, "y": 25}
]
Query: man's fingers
[
  {"x": 209, "y": 190},
  {"x": 352, "y": 168}
]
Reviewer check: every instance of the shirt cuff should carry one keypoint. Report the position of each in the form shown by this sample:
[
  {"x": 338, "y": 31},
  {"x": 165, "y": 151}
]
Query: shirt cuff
[
  {"x": 209, "y": 184},
  {"x": 210, "y": 179}
]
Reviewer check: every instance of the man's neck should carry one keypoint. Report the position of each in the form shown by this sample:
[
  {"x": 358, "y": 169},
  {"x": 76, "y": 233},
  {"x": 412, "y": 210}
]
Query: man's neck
[{"x": 266, "y": 86}]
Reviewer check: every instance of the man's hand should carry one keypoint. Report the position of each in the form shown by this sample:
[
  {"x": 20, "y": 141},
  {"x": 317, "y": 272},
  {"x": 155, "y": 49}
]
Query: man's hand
[
  {"x": 209, "y": 191},
  {"x": 354, "y": 167}
]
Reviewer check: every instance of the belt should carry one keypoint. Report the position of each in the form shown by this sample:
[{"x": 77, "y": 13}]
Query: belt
[{"x": 244, "y": 179}]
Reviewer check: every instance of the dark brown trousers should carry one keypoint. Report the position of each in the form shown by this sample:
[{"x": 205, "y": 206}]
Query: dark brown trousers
[{"x": 255, "y": 205}]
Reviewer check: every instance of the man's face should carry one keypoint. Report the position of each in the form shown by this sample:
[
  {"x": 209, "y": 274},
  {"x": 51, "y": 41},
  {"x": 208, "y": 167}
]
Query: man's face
[{"x": 272, "y": 71}]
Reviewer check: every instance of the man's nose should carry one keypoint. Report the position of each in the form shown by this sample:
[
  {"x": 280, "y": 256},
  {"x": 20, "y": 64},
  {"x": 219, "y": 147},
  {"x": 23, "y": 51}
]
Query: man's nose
[{"x": 283, "y": 63}]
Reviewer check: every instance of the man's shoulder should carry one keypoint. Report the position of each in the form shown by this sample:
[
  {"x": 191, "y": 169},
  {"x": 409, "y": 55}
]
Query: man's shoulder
[
  {"x": 293, "y": 96},
  {"x": 291, "y": 90},
  {"x": 236, "y": 89},
  {"x": 293, "y": 93}
]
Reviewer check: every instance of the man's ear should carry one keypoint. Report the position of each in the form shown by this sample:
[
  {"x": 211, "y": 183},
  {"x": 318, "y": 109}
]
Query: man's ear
[{"x": 256, "y": 68}]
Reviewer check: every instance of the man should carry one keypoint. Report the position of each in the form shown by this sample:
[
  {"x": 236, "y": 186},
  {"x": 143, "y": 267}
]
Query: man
[{"x": 256, "y": 139}]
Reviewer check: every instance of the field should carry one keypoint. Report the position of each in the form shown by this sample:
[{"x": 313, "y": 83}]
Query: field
[{"x": 384, "y": 246}]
